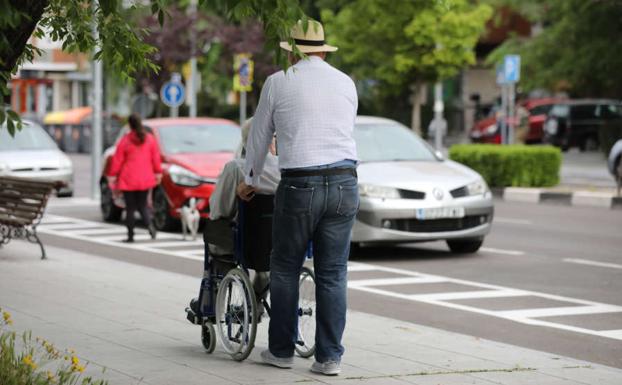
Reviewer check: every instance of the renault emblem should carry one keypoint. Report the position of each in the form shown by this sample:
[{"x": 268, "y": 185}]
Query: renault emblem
[{"x": 438, "y": 193}]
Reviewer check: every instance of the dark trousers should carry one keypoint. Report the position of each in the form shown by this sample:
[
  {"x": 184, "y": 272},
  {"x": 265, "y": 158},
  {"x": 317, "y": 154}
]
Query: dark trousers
[
  {"x": 135, "y": 200},
  {"x": 321, "y": 209}
]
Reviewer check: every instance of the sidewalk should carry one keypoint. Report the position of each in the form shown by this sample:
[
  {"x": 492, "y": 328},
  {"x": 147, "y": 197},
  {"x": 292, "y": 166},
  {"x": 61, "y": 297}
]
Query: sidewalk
[{"x": 130, "y": 319}]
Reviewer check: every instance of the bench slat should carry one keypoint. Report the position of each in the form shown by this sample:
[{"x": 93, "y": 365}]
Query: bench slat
[
  {"x": 13, "y": 194},
  {"x": 8, "y": 220}
]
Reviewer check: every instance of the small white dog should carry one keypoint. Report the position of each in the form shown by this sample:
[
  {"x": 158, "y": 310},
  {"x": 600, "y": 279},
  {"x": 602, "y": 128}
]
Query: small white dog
[{"x": 190, "y": 219}]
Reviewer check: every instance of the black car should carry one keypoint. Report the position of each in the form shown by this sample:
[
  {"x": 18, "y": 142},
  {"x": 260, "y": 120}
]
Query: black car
[{"x": 575, "y": 123}]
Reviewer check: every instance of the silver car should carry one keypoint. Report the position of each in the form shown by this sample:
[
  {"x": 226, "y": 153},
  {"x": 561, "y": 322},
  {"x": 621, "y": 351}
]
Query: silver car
[
  {"x": 32, "y": 154},
  {"x": 409, "y": 193}
]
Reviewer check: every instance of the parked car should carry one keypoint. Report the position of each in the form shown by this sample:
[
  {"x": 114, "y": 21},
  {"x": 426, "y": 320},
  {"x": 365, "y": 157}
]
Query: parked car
[
  {"x": 409, "y": 193},
  {"x": 194, "y": 151},
  {"x": 575, "y": 123},
  {"x": 32, "y": 154},
  {"x": 614, "y": 163},
  {"x": 487, "y": 130}
]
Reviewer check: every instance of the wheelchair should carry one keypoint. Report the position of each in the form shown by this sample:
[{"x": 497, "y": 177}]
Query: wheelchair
[{"x": 228, "y": 304}]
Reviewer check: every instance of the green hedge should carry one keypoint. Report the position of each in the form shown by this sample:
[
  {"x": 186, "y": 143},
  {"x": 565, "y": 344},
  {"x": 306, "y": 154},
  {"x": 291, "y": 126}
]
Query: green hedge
[
  {"x": 515, "y": 165},
  {"x": 609, "y": 134}
]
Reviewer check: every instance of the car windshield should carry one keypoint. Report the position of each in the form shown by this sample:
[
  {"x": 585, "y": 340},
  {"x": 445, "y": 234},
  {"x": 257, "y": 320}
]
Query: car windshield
[
  {"x": 199, "y": 138},
  {"x": 30, "y": 137},
  {"x": 385, "y": 142},
  {"x": 560, "y": 110}
]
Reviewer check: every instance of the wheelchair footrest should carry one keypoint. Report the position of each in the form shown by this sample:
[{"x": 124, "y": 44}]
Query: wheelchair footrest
[{"x": 193, "y": 317}]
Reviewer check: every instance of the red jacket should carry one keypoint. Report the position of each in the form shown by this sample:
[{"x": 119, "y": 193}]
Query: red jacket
[{"x": 135, "y": 164}]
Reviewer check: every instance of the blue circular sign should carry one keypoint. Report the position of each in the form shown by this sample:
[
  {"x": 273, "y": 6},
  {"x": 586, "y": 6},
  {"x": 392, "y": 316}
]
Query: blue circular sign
[{"x": 173, "y": 94}]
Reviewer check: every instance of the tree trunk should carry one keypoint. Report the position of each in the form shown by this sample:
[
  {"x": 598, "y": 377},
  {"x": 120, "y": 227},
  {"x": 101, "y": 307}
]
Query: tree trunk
[
  {"x": 30, "y": 13},
  {"x": 418, "y": 90}
]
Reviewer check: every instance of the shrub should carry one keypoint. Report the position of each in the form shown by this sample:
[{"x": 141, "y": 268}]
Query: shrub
[
  {"x": 608, "y": 134},
  {"x": 515, "y": 165},
  {"x": 28, "y": 361}
]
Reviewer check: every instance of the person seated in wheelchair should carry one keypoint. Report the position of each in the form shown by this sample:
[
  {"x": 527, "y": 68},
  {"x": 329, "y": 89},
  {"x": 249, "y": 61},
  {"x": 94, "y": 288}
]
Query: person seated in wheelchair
[{"x": 224, "y": 215}]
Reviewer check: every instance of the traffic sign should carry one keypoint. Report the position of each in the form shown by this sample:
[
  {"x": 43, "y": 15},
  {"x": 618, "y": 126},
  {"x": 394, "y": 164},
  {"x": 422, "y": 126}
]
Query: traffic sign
[
  {"x": 511, "y": 68},
  {"x": 243, "y": 69},
  {"x": 173, "y": 92}
]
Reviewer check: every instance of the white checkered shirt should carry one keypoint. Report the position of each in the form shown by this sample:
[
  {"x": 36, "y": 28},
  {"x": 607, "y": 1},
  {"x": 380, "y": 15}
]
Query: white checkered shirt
[{"x": 312, "y": 108}]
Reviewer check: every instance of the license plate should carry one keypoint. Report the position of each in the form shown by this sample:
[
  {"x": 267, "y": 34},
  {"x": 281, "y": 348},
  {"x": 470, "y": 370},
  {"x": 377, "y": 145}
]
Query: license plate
[{"x": 439, "y": 212}]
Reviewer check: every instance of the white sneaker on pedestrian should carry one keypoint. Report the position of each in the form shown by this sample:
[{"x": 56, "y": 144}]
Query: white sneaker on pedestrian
[
  {"x": 328, "y": 368},
  {"x": 271, "y": 359}
]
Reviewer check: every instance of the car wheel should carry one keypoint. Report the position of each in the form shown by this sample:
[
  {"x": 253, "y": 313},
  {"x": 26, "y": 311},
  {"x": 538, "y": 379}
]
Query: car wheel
[
  {"x": 110, "y": 211},
  {"x": 465, "y": 246},
  {"x": 162, "y": 220}
]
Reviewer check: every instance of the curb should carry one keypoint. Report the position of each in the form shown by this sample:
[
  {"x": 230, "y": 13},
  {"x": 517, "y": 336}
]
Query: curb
[{"x": 576, "y": 198}]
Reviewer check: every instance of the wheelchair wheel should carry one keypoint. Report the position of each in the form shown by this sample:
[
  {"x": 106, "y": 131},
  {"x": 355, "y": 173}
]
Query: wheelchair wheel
[
  {"x": 305, "y": 346},
  {"x": 236, "y": 314},
  {"x": 208, "y": 337}
]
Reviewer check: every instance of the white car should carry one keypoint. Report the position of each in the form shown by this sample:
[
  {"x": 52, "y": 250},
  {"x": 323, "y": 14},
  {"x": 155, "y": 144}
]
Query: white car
[
  {"x": 32, "y": 154},
  {"x": 409, "y": 193}
]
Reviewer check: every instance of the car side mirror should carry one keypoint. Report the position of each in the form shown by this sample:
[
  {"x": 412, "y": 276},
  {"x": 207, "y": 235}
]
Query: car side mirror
[{"x": 439, "y": 155}]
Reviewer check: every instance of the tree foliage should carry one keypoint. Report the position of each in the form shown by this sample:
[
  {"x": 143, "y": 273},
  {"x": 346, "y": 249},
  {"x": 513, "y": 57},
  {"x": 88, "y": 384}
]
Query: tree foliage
[
  {"x": 404, "y": 42},
  {"x": 119, "y": 45},
  {"x": 578, "y": 50}
]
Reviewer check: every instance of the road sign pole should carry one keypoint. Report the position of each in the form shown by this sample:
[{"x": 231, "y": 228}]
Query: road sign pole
[
  {"x": 174, "y": 112},
  {"x": 504, "y": 108},
  {"x": 96, "y": 129},
  {"x": 242, "y": 107},
  {"x": 192, "y": 87},
  {"x": 511, "y": 97},
  {"x": 439, "y": 107}
]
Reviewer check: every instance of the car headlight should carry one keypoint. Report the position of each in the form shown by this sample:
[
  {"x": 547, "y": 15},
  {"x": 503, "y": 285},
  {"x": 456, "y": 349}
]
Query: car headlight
[
  {"x": 66, "y": 164},
  {"x": 4, "y": 168},
  {"x": 184, "y": 177},
  {"x": 551, "y": 127},
  {"x": 491, "y": 129},
  {"x": 373, "y": 191},
  {"x": 477, "y": 188}
]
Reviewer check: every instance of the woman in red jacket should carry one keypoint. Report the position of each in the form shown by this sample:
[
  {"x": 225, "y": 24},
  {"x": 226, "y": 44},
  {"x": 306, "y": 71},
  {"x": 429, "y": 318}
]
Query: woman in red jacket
[{"x": 135, "y": 169}]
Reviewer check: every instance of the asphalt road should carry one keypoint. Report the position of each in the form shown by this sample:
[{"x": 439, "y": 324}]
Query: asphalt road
[{"x": 537, "y": 267}]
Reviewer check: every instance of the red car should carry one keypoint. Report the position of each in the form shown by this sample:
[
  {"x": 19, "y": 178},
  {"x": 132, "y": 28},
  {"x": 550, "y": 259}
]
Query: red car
[
  {"x": 194, "y": 152},
  {"x": 487, "y": 129}
]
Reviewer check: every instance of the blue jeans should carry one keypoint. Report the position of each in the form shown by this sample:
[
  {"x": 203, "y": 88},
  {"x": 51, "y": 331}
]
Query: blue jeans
[{"x": 321, "y": 209}]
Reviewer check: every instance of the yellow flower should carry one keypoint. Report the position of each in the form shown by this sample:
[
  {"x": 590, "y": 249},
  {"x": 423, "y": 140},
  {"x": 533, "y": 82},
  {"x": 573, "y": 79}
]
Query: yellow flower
[
  {"x": 74, "y": 360},
  {"x": 77, "y": 368},
  {"x": 51, "y": 377},
  {"x": 7, "y": 317},
  {"x": 27, "y": 360}
]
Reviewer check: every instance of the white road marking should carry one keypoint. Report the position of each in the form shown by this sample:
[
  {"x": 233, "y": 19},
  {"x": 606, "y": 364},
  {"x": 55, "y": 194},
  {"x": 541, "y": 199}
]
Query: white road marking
[
  {"x": 519, "y": 315},
  {"x": 593, "y": 263},
  {"x": 394, "y": 281},
  {"x": 513, "y": 221},
  {"x": 501, "y": 251},
  {"x": 481, "y": 290},
  {"x": 111, "y": 235},
  {"x": 478, "y": 294},
  {"x": 559, "y": 311}
]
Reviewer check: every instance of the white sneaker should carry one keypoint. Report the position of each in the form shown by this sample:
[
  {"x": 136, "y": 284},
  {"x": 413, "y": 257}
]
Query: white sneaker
[
  {"x": 269, "y": 358},
  {"x": 328, "y": 368}
]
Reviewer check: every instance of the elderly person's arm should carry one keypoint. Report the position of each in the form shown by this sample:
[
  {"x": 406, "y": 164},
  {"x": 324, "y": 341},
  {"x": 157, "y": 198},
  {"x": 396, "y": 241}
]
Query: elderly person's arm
[{"x": 258, "y": 142}]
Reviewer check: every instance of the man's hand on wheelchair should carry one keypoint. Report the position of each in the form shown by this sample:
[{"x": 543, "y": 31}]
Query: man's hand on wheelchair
[{"x": 245, "y": 192}]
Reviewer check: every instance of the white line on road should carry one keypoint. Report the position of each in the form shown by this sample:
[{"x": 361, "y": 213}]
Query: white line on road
[
  {"x": 513, "y": 221},
  {"x": 394, "y": 281},
  {"x": 593, "y": 263},
  {"x": 501, "y": 251}
]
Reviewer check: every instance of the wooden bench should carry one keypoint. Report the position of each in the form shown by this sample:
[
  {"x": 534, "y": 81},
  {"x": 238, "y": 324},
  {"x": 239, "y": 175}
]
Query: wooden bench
[{"x": 22, "y": 203}]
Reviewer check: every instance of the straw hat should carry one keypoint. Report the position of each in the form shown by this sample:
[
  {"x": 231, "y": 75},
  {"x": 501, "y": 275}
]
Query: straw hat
[{"x": 312, "y": 41}]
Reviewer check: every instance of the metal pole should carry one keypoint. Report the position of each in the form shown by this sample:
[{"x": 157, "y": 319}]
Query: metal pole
[
  {"x": 439, "y": 107},
  {"x": 242, "y": 107},
  {"x": 174, "y": 112},
  {"x": 511, "y": 97},
  {"x": 96, "y": 151},
  {"x": 192, "y": 89},
  {"x": 504, "y": 115}
]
